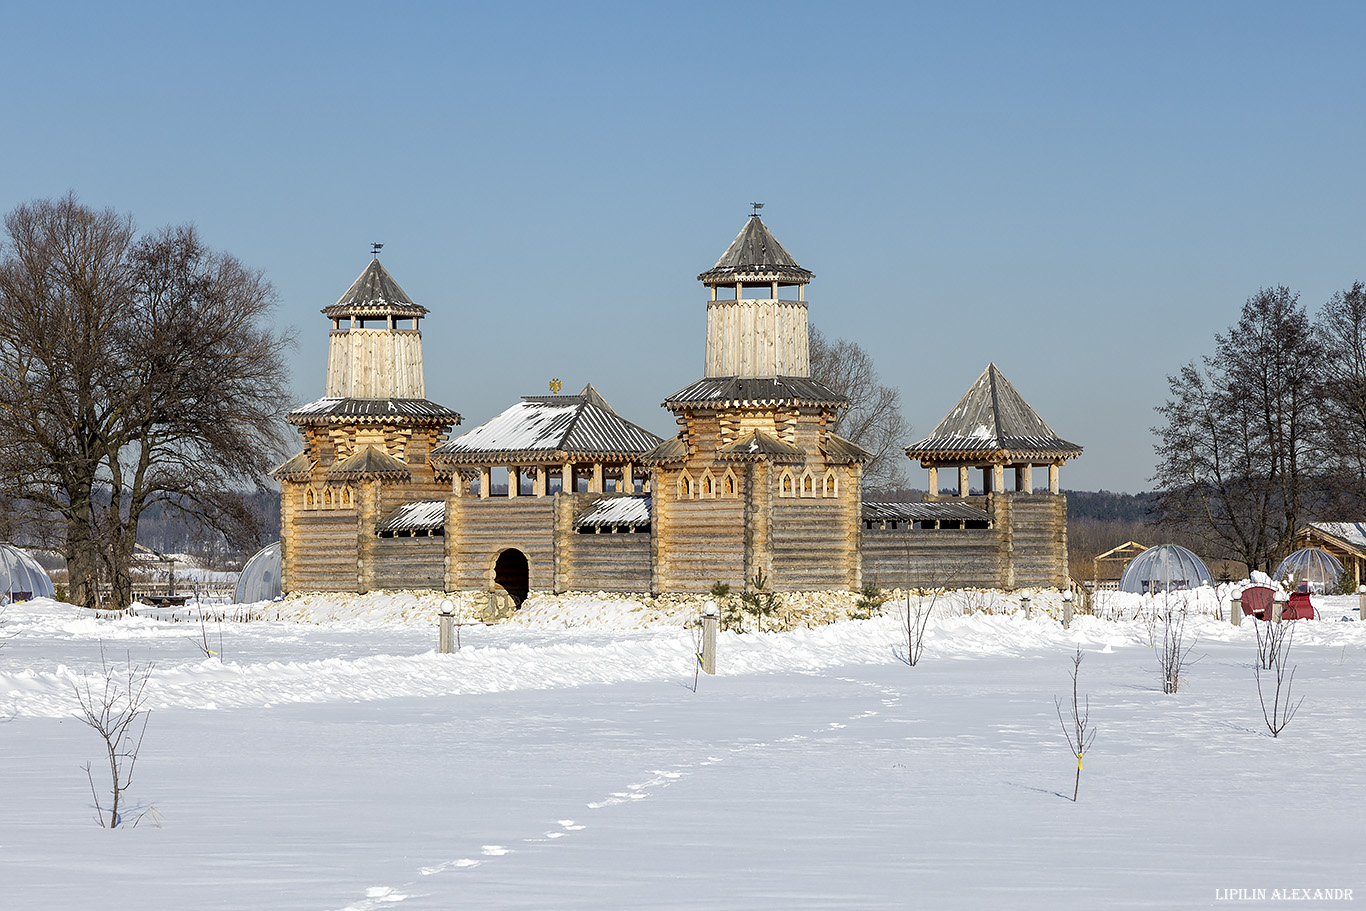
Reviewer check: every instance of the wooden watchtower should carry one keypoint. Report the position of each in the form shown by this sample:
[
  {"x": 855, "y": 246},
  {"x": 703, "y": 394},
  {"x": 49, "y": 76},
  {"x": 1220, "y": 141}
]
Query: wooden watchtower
[
  {"x": 755, "y": 482},
  {"x": 366, "y": 446}
]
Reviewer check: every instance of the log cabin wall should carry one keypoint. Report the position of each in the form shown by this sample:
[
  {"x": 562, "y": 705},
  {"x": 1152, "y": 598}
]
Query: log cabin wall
[
  {"x": 924, "y": 558},
  {"x": 319, "y": 547},
  {"x": 478, "y": 530},
  {"x": 607, "y": 559},
  {"x": 412, "y": 562},
  {"x": 608, "y": 562},
  {"x": 697, "y": 541},
  {"x": 1037, "y": 524}
]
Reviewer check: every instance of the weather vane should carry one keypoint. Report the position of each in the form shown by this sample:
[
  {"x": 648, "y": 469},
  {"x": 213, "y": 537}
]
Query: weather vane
[
  {"x": 556, "y": 386},
  {"x": 375, "y": 248},
  {"x": 757, "y": 206}
]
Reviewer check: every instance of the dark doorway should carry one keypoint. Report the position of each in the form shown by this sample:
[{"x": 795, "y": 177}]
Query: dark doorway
[{"x": 512, "y": 573}]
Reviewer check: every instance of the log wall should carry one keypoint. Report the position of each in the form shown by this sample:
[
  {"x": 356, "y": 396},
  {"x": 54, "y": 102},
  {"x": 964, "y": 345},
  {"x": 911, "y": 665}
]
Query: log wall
[
  {"x": 1038, "y": 542},
  {"x": 478, "y": 530},
  {"x": 703, "y": 541},
  {"x": 322, "y": 550},
  {"x": 923, "y": 558},
  {"x": 614, "y": 562},
  {"x": 406, "y": 563},
  {"x": 814, "y": 545}
]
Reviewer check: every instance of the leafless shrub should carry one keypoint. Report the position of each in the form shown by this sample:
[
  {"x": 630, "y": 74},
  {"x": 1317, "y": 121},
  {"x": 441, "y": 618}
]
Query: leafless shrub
[
  {"x": 1172, "y": 640},
  {"x": 915, "y": 619},
  {"x": 1276, "y": 650},
  {"x": 113, "y": 708},
  {"x": 1078, "y": 731},
  {"x": 202, "y": 642},
  {"x": 1270, "y": 637}
]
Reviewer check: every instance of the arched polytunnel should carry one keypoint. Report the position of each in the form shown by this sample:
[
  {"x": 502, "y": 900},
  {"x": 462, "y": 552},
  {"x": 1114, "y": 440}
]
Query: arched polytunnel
[
  {"x": 1314, "y": 565},
  {"x": 1164, "y": 568},
  {"x": 260, "y": 579},
  {"x": 21, "y": 576}
]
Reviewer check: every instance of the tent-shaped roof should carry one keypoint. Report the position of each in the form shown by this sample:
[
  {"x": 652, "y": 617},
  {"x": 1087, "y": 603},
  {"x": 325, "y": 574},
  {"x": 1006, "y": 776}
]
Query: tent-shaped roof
[
  {"x": 369, "y": 463},
  {"x": 756, "y": 255},
  {"x": 22, "y": 577},
  {"x": 1166, "y": 567},
  {"x": 550, "y": 428},
  {"x": 260, "y": 578},
  {"x": 375, "y": 293},
  {"x": 758, "y": 446},
  {"x": 993, "y": 423}
]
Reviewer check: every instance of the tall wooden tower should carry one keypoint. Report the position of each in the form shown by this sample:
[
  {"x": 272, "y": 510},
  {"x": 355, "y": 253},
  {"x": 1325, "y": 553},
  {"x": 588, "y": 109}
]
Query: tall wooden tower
[
  {"x": 755, "y": 484},
  {"x": 366, "y": 442}
]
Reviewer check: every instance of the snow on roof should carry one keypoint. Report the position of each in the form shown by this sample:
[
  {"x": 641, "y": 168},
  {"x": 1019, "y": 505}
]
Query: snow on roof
[
  {"x": 909, "y": 512},
  {"x": 332, "y": 410},
  {"x": 992, "y": 418},
  {"x": 755, "y": 252},
  {"x": 625, "y": 510},
  {"x": 582, "y": 425},
  {"x": 723, "y": 391},
  {"x": 373, "y": 292},
  {"x": 424, "y": 515},
  {"x": 1353, "y": 533}
]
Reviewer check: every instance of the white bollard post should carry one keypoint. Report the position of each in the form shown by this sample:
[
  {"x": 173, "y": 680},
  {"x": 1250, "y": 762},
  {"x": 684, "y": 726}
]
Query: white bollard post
[
  {"x": 446, "y": 625},
  {"x": 1024, "y": 600},
  {"x": 711, "y": 618},
  {"x": 1277, "y": 605},
  {"x": 1361, "y": 602},
  {"x": 1235, "y": 610},
  {"x": 1067, "y": 610}
]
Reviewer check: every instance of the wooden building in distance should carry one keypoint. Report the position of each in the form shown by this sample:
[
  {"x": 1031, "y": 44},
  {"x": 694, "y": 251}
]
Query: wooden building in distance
[{"x": 560, "y": 493}]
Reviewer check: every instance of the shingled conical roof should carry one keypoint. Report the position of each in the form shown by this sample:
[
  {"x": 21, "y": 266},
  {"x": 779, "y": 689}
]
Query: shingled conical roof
[
  {"x": 374, "y": 293},
  {"x": 992, "y": 423},
  {"x": 755, "y": 255}
]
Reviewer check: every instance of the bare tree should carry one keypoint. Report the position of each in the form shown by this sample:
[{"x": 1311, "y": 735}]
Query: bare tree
[
  {"x": 1340, "y": 337},
  {"x": 1273, "y": 653},
  {"x": 1238, "y": 442},
  {"x": 113, "y": 708},
  {"x": 132, "y": 372},
  {"x": 1078, "y": 732},
  {"x": 873, "y": 418},
  {"x": 1173, "y": 647}
]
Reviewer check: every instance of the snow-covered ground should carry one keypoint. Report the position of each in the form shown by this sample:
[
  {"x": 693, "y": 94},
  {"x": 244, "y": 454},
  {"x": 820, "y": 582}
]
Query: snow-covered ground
[{"x": 333, "y": 760}]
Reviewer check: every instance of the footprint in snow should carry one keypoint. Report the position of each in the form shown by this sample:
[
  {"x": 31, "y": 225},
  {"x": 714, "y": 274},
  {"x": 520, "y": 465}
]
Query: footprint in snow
[{"x": 495, "y": 850}]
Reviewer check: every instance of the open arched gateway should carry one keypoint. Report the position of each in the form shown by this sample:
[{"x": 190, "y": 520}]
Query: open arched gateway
[{"x": 512, "y": 573}]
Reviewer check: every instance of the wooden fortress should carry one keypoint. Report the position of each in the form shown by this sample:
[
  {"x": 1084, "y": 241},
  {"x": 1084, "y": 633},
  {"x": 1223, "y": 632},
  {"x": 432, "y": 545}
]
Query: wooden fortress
[{"x": 560, "y": 493}]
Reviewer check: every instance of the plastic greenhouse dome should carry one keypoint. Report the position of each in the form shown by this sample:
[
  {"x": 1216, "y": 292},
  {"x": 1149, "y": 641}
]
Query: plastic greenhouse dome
[
  {"x": 21, "y": 577},
  {"x": 260, "y": 579},
  {"x": 1314, "y": 565},
  {"x": 1164, "y": 568}
]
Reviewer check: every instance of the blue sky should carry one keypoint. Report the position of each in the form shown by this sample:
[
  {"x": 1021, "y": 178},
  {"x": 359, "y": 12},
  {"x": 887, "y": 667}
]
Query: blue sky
[{"x": 1082, "y": 193}]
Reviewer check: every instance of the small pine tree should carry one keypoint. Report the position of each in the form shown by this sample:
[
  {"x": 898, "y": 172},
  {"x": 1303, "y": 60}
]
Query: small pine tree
[
  {"x": 758, "y": 600},
  {"x": 869, "y": 603}
]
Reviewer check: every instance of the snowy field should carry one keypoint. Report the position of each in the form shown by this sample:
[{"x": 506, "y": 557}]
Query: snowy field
[{"x": 333, "y": 760}]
